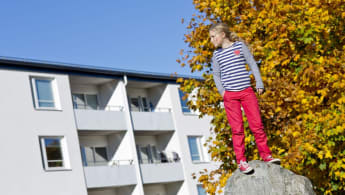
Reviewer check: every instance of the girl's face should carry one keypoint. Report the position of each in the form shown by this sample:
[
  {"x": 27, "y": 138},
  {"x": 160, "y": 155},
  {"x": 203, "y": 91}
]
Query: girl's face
[{"x": 217, "y": 38}]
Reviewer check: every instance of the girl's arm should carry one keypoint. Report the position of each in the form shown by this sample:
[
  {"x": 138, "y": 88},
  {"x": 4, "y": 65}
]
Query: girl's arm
[
  {"x": 216, "y": 76},
  {"x": 253, "y": 66}
]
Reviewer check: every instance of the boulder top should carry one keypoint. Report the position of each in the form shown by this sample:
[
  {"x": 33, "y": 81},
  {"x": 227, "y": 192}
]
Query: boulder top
[{"x": 268, "y": 179}]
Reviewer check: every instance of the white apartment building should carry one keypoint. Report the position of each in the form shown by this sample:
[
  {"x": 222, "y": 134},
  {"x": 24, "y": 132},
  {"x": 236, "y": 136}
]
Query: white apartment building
[{"x": 80, "y": 130}]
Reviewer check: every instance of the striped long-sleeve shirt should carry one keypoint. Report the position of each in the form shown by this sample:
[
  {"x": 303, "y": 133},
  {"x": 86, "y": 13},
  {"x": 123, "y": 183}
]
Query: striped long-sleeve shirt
[{"x": 229, "y": 71}]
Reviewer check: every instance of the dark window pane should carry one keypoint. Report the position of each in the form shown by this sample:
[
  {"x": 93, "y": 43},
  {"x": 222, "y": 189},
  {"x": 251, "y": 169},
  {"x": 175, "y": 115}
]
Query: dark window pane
[
  {"x": 101, "y": 154},
  {"x": 78, "y": 101},
  {"x": 134, "y": 104},
  {"x": 144, "y": 153},
  {"x": 54, "y": 153},
  {"x": 55, "y": 164},
  {"x": 92, "y": 102},
  {"x": 145, "y": 106}
]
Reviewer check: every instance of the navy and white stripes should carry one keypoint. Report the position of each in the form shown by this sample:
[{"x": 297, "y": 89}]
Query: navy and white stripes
[{"x": 229, "y": 68}]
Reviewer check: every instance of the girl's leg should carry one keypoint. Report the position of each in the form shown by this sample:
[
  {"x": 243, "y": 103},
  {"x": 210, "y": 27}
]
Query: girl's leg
[
  {"x": 234, "y": 114},
  {"x": 251, "y": 108}
]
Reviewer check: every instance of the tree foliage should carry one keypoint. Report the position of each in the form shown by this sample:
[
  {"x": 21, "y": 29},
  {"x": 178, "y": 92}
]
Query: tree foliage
[{"x": 301, "y": 45}]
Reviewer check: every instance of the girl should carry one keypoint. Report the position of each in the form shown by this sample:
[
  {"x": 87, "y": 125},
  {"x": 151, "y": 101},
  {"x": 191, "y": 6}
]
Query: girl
[{"x": 233, "y": 83}]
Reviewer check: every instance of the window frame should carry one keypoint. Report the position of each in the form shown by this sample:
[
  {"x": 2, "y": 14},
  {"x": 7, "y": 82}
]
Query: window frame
[
  {"x": 200, "y": 149},
  {"x": 185, "y": 107},
  {"x": 64, "y": 153},
  {"x": 86, "y": 105},
  {"x": 141, "y": 100},
  {"x": 54, "y": 89},
  {"x": 94, "y": 162}
]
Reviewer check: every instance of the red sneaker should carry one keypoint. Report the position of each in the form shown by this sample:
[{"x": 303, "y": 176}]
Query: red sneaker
[
  {"x": 270, "y": 159},
  {"x": 244, "y": 167}
]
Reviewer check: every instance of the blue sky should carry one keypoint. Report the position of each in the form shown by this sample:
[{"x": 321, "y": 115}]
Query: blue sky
[{"x": 135, "y": 35}]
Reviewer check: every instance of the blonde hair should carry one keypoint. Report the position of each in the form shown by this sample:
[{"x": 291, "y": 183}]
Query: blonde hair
[{"x": 222, "y": 27}]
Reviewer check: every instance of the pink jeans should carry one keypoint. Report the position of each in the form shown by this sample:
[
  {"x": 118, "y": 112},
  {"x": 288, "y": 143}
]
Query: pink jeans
[{"x": 232, "y": 103}]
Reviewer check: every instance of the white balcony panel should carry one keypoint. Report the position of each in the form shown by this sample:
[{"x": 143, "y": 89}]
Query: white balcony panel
[
  {"x": 152, "y": 121},
  {"x": 100, "y": 120},
  {"x": 110, "y": 176},
  {"x": 162, "y": 172}
]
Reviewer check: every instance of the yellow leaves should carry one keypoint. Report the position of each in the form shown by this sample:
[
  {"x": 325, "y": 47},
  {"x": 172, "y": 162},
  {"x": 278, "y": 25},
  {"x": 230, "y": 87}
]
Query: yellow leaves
[
  {"x": 304, "y": 101},
  {"x": 328, "y": 154},
  {"x": 278, "y": 109},
  {"x": 301, "y": 46},
  {"x": 310, "y": 148},
  {"x": 179, "y": 80},
  {"x": 296, "y": 57},
  {"x": 296, "y": 134},
  {"x": 285, "y": 62},
  {"x": 320, "y": 155}
]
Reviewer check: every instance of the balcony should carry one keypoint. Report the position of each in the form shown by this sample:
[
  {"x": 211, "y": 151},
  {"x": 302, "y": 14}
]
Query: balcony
[
  {"x": 150, "y": 106},
  {"x": 156, "y": 158},
  {"x": 162, "y": 172},
  {"x": 108, "y": 119},
  {"x": 110, "y": 176},
  {"x": 152, "y": 121}
]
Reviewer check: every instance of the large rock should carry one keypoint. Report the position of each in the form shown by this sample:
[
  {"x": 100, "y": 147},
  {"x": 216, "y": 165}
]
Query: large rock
[{"x": 267, "y": 179}]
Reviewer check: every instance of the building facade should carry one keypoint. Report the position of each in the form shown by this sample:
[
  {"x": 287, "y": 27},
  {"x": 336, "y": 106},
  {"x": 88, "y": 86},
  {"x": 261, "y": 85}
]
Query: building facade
[{"x": 78, "y": 130}]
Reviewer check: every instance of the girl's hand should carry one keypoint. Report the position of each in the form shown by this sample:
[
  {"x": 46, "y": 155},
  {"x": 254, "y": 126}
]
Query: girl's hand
[{"x": 260, "y": 91}]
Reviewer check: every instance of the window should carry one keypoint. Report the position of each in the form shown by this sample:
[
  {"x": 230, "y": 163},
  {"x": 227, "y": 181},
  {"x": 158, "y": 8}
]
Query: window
[
  {"x": 140, "y": 104},
  {"x": 195, "y": 148},
  {"x": 45, "y": 93},
  {"x": 85, "y": 101},
  {"x": 54, "y": 153},
  {"x": 201, "y": 190},
  {"x": 93, "y": 156},
  {"x": 184, "y": 106},
  {"x": 148, "y": 154}
]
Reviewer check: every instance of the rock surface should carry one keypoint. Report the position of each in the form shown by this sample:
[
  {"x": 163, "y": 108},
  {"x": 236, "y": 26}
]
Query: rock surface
[{"x": 268, "y": 179}]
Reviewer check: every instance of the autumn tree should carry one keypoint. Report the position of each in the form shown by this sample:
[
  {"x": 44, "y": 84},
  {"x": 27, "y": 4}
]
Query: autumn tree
[{"x": 301, "y": 47}]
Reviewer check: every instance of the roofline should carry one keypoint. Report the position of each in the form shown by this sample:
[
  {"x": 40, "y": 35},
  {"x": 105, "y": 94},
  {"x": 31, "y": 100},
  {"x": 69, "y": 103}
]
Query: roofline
[{"x": 89, "y": 69}]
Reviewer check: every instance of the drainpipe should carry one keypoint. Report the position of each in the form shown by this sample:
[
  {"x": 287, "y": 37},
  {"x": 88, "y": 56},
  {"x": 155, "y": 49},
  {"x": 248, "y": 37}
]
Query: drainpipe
[
  {"x": 125, "y": 80},
  {"x": 130, "y": 130}
]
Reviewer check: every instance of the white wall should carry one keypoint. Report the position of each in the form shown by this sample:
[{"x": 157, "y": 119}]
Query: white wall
[
  {"x": 125, "y": 190},
  {"x": 111, "y": 95},
  {"x": 120, "y": 146},
  {"x": 173, "y": 188},
  {"x": 135, "y": 92},
  {"x": 145, "y": 140},
  {"x": 84, "y": 89},
  {"x": 22, "y": 124},
  {"x": 102, "y": 192},
  {"x": 93, "y": 140},
  {"x": 160, "y": 98},
  {"x": 154, "y": 189},
  {"x": 189, "y": 124}
]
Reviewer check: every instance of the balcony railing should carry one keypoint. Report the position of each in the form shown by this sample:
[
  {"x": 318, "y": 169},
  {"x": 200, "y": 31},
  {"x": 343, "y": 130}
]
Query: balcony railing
[
  {"x": 158, "y": 157},
  {"x": 107, "y": 163},
  {"x": 93, "y": 107},
  {"x": 159, "y": 109}
]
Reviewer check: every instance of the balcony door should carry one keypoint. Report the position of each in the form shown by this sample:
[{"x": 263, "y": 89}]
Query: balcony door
[
  {"x": 140, "y": 104},
  {"x": 85, "y": 101}
]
